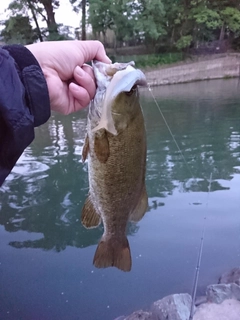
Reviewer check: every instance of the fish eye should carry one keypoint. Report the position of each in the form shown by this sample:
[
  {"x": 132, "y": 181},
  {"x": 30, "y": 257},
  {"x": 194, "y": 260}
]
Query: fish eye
[{"x": 134, "y": 88}]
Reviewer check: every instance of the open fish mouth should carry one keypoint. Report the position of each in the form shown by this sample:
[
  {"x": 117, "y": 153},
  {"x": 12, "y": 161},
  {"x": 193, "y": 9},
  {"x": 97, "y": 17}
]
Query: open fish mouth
[{"x": 113, "y": 79}]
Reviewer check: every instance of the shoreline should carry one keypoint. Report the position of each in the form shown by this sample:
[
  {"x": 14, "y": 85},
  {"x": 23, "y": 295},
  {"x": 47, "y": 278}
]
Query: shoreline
[
  {"x": 220, "y": 66},
  {"x": 221, "y": 302}
]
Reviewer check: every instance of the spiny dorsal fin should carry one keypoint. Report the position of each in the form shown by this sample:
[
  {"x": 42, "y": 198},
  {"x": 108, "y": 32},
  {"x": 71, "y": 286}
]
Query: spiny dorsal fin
[
  {"x": 90, "y": 218},
  {"x": 101, "y": 146},
  {"x": 141, "y": 207},
  {"x": 85, "y": 149}
]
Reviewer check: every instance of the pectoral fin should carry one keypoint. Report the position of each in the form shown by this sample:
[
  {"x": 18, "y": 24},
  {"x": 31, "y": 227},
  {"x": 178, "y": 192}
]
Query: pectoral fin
[
  {"x": 141, "y": 207},
  {"x": 101, "y": 146},
  {"x": 90, "y": 218},
  {"x": 85, "y": 149}
]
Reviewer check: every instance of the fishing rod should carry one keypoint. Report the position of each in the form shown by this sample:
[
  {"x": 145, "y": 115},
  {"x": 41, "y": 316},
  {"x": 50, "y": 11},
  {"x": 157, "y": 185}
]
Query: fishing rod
[
  {"x": 199, "y": 259},
  {"x": 195, "y": 283}
]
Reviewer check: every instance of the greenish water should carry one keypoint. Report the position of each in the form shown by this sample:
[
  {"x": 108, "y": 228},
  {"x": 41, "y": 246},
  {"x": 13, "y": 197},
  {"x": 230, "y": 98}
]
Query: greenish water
[{"x": 46, "y": 269}]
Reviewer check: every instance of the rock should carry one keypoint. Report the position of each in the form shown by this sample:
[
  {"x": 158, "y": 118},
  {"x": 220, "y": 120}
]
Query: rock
[
  {"x": 173, "y": 307},
  {"x": 228, "y": 310},
  {"x": 217, "y": 293},
  {"x": 140, "y": 315},
  {"x": 236, "y": 291},
  {"x": 199, "y": 300},
  {"x": 232, "y": 276}
]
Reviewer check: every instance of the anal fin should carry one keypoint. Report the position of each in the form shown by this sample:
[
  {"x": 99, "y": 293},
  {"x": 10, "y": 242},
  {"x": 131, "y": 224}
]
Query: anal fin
[
  {"x": 90, "y": 218},
  {"x": 141, "y": 207}
]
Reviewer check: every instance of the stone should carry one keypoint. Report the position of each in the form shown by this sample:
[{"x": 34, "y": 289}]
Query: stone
[
  {"x": 235, "y": 291},
  {"x": 232, "y": 276},
  {"x": 217, "y": 293},
  {"x": 228, "y": 310},
  {"x": 173, "y": 307},
  {"x": 140, "y": 315},
  {"x": 200, "y": 300}
]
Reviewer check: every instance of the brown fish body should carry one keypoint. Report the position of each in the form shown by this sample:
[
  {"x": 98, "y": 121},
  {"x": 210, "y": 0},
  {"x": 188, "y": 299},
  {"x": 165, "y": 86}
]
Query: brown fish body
[{"x": 116, "y": 166}]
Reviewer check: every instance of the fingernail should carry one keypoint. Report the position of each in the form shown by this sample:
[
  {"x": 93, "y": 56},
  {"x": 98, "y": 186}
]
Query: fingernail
[
  {"x": 109, "y": 60},
  {"x": 74, "y": 86},
  {"x": 79, "y": 71}
]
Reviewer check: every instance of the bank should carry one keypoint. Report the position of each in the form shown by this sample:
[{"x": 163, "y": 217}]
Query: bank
[
  {"x": 198, "y": 68},
  {"x": 221, "y": 302}
]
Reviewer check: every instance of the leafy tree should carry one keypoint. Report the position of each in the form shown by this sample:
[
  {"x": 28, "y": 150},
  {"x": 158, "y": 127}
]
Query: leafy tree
[
  {"x": 231, "y": 18},
  {"x": 23, "y": 7},
  {"x": 101, "y": 16},
  {"x": 18, "y": 30},
  {"x": 38, "y": 8},
  {"x": 149, "y": 20}
]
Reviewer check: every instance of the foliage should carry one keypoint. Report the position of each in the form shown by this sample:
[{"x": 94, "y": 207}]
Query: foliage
[
  {"x": 17, "y": 29},
  {"x": 208, "y": 18},
  {"x": 149, "y": 17},
  {"x": 100, "y": 15},
  {"x": 34, "y": 10},
  {"x": 231, "y": 17},
  {"x": 150, "y": 60},
  {"x": 159, "y": 25},
  {"x": 184, "y": 42},
  {"x": 165, "y": 24}
]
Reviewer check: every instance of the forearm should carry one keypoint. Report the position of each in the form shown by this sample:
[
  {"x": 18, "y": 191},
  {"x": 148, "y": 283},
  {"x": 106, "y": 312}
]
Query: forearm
[{"x": 24, "y": 103}]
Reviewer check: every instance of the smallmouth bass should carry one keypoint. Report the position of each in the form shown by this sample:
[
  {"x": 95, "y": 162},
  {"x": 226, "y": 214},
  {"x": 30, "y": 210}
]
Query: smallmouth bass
[{"x": 115, "y": 146}]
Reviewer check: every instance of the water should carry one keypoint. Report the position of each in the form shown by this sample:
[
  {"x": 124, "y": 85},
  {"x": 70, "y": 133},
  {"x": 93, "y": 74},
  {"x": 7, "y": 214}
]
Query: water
[{"x": 46, "y": 269}]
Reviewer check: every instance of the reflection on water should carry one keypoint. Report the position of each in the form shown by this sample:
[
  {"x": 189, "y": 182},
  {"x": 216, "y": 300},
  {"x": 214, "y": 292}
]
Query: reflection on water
[{"x": 42, "y": 198}]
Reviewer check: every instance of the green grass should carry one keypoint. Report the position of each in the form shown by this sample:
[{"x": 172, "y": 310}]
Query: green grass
[
  {"x": 150, "y": 60},
  {"x": 227, "y": 76}
]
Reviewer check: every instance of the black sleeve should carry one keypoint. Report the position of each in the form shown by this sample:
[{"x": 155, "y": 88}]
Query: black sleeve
[{"x": 24, "y": 103}]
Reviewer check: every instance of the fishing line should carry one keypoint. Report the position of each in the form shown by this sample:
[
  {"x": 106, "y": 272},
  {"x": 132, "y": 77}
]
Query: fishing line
[
  {"x": 170, "y": 131},
  {"x": 199, "y": 259},
  {"x": 195, "y": 283}
]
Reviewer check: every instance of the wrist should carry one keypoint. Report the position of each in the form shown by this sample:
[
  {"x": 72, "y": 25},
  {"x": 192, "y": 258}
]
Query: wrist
[{"x": 32, "y": 77}]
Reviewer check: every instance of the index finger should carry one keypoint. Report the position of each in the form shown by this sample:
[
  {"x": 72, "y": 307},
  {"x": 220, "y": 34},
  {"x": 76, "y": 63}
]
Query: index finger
[{"x": 93, "y": 49}]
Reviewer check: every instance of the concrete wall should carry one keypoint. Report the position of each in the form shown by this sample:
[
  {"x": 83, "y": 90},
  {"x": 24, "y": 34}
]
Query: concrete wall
[{"x": 217, "y": 67}]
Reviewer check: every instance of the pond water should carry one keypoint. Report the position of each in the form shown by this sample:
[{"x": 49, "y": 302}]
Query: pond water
[{"x": 46, "y": 269}]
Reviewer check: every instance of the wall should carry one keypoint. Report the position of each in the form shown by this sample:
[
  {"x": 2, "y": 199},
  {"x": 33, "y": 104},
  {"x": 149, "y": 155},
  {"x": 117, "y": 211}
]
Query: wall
[{"x": 216, "y": 67}]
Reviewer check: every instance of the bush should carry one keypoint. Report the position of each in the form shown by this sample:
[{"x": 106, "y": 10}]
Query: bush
[{"x": 150, "y": 60}]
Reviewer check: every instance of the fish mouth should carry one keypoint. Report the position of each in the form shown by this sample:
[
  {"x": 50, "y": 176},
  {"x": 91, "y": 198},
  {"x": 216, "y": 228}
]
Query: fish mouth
[{"x": 114, "y": 78}]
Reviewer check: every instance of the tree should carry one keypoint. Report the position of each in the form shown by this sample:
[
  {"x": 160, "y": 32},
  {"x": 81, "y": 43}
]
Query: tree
[
  {"x": 149, "y": 16},
  {"x": 18, "y": 30},
  {"x": 16, "y": 7},
  {"x": 100, "y": 17},
  {"x": 77, "y": 6},
  {"x": 131, "y": 21},
  {"x": 33, "y": 9}
]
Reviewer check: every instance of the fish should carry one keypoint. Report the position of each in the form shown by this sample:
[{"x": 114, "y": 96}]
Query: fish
[{"x": 115, "y": 146}]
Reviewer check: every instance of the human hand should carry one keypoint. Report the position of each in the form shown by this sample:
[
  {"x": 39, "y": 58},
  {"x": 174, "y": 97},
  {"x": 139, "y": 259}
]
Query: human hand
[{"x": 71, "y": 83}]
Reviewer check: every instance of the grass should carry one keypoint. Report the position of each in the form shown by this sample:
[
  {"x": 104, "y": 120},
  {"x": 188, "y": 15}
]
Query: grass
[
  {"x": 227, "y": 76},
  {"x": 150, "y": 60}
]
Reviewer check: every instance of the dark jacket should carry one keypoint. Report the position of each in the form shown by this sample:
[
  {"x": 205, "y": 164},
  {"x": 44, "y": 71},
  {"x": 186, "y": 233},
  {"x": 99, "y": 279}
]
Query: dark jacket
[{"x": 24, "y": 103}]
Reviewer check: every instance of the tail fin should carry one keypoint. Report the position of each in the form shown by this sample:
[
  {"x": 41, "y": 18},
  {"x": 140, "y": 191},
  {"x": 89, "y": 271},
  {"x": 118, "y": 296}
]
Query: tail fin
[{"x": 113, "y": 252}]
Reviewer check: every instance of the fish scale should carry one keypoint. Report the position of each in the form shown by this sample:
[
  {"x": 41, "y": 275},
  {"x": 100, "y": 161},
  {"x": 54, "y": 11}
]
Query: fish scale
[{"x": 116, "y": 151}]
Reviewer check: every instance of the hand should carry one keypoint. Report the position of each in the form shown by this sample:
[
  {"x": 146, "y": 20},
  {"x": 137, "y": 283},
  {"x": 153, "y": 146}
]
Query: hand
[{"x": 71, "y": 83}]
